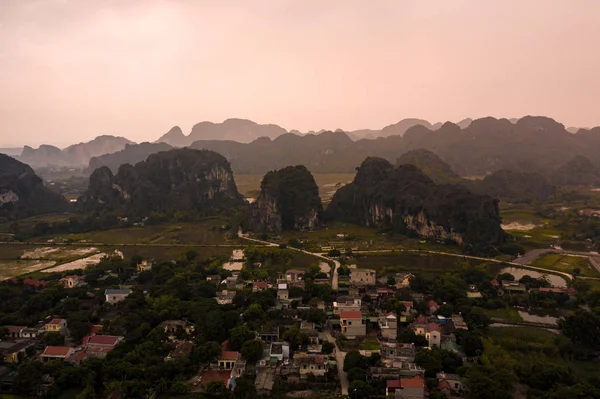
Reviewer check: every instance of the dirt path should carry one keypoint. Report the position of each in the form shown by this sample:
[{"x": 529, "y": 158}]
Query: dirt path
[{"x": 339, "y": 357}]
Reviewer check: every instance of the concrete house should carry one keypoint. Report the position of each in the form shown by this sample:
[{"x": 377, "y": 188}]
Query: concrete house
[
  {"x": 363, "y": 277},
  {"x": 279, "y": 351},
  {"x": 73, "y": 281},
  {"x": 346, "y": 304},
  {"x": 227, "y": 360},
  {"x": 144, "y": 266},
  {"x": 402, "y": 351},
  {"x": 114, "y": 296},
  {"x": 316, "y": 365},
  {"x": 432, "y": 332},
  {"x": 56, "y": 352},
  {"x": 100, "y": 345},
  {"x": 56, "y": 325},
  {"x": 294, "y": 276},
  {"x": 451, "y": 383},
  {"x": 406, "y": 388},
  {"x": 269, "y": 334},
  {"x": 352, "y": 324},
  {"x": 225, "y": 297},
  {"x": 388, "y": 325}
]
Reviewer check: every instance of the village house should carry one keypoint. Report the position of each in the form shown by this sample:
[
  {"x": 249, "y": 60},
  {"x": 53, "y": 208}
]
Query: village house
[
  {"x": 512, "y": 287},
  {"x": 316, "y": 365},
  {"x": 99, "y": 345},
  {"x": 269, "y": 334},
  {"x": 225, "y": 297},
  {"x": 352, "y": 324},
  {"x": 403, "y": 280},
  {"x": 56, "y": 325},
  {"x": 175, "y": 326},
  {"x": 309, "y": 329},
  {"x": 450, "y": 383},
  {"x": 73, "y": 281},
  {"x": 431, "y": 332},
  {"x": 182, "y": 351},
  {"x": 406, "y": 388},
  {"x": 14, "y": 331},
  {"x": 283, "y": 293},
  {"x": 363, "y": 277},
  {"x": 14, "y": 352},
  {"x": 56, "y": 352},
  {"x": 144, "y": 266},
  {"x": 227, "y": 360},
  {"x": 260, "y": 286},
  {"x": 346, "y": 304},
  {"x": 403, "y": 351},
  {"x": 459, "y": 323},
  {"x": 388, "y": 325},
  {"x": 114, "y": 296},
  {"x": 432, "y": 306},
  {"x": 294, "y": 275},
  {"x": 279, "y": 351}
]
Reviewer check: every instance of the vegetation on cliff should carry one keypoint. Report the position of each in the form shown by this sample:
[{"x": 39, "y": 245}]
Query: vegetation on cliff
[
  {"x": 178, "y": 180},
  {"x": 288, "y": 200},
  {"x": 403, "y": 199},
  {"x": 23, "y": 193}
]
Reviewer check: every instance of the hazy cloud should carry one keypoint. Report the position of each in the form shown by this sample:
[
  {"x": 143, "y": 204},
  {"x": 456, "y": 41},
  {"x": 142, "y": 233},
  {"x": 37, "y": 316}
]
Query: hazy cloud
[{"x": 75, "y": 69}]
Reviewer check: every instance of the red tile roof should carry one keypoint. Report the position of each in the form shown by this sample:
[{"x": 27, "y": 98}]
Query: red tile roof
[
  {"x": 78, "y": 357},
  {"x": 433, "y": 327},
  {"x": 14, "y": 329},
  {"x": 432, "y": 304},
  {"x": 422, "y": 319},
  {"x": 444, "y": 385},
  {"x": 408, "y": 304},
  {"x": 261, "y": 284},
  {"x": 350, "y": 315},
  {"x": 62, "y": 351},
  {"x": 229, "y": 355},
  {"x": 56, "y": 321},
  {"x": 104, "y": 340},
  {"x": 414, "y": 382},
  {"x": 393, "y": 384}
]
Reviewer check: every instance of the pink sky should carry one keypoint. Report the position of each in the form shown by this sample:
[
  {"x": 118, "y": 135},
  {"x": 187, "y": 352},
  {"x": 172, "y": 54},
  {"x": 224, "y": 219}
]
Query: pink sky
[{"x": 71, "y": 70}]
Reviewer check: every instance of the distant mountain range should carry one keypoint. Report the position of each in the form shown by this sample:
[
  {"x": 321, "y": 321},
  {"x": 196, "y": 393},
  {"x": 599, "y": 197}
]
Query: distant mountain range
[
  {"x": 529, "y": 145},
  {"x": 77, "y": 155}
]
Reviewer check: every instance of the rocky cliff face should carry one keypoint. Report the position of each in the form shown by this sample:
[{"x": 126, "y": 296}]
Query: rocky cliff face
[
  {"x": 177, "y": 180},
  {"x": 403, "y": 199},
  {"x": 22, "y": 192},
  {"x": 288, "y": 200}
]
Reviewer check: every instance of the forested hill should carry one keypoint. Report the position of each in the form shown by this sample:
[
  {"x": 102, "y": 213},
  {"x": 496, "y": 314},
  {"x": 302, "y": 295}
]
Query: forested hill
[
  {"x": 200, "y": 181},
  {"x": 405, "y": 200},
  {"x": 531, "y": 144},
  {"x": 23, "y": 193}
]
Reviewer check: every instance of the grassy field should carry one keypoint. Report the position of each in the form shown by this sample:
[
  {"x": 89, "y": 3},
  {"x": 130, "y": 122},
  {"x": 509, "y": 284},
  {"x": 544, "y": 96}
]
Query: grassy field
[
  {"x": 205, "y": 232},
  {"x": 505, "y": 314},
  {"x": 370, "y": 344},
  {"x": 249, "y": 185},
  {"x": 27, "y": 224},
  {"x": 360, "y": 237},
  {"x": 425, "y": 265},
  {"x": 566, "y": 264}
]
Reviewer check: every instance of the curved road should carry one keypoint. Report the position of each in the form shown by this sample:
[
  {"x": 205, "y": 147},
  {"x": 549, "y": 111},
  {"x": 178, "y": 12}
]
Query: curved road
[
  {"x": 335, "y": 278},
  {"x": 521, "y": 265}
]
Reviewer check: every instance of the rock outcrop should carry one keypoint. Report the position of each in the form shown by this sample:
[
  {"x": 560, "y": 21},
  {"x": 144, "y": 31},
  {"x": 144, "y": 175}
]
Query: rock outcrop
[
  {"x": 199, "y": 181},
  {"x": 23, "y": 193},
  {"x": 405, "y": 200},
  {"x": 288, "y": 200},
  {"x": 578, "y": 171}
]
